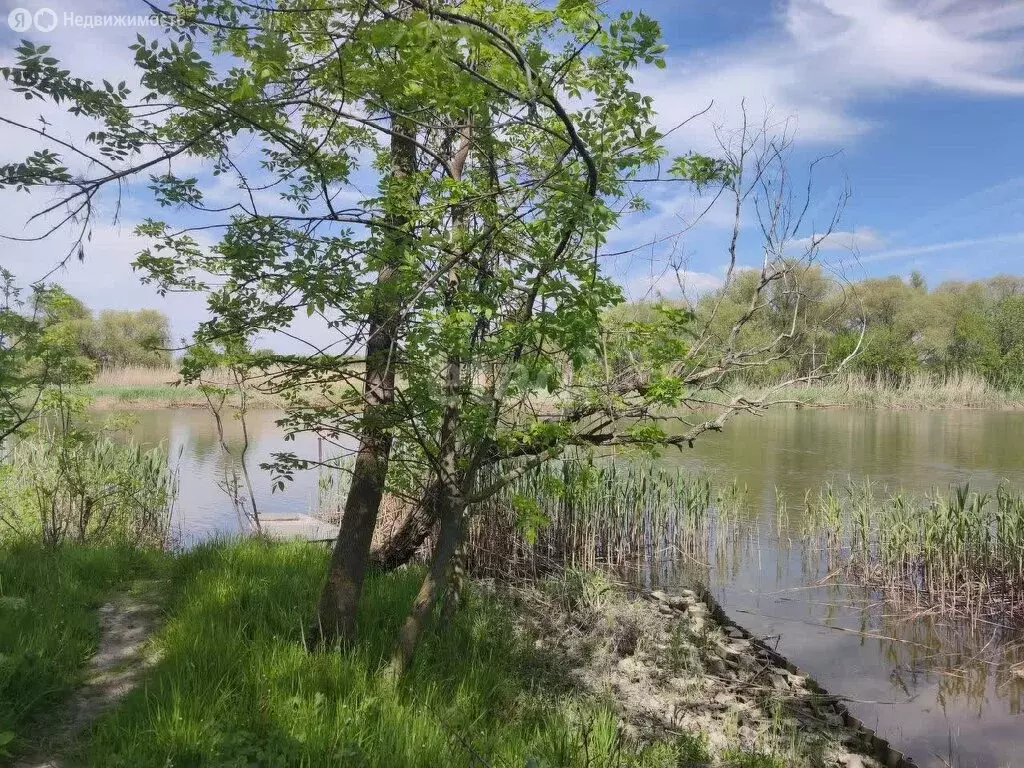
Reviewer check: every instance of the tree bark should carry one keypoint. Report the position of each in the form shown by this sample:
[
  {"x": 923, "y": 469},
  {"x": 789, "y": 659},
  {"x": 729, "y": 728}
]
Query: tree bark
[
  {"x": 402, "y": 546},
  {"x": 339, "y": 601},
  {"x": 433, "y": 585},
  {"x": 449, "y": 497}
]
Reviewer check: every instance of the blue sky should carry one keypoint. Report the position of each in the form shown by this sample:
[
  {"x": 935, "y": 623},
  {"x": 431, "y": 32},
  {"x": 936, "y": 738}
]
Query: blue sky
[{"x": 923, "y": 100}]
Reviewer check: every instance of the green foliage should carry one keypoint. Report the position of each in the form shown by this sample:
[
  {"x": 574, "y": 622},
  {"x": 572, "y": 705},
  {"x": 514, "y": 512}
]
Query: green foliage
[
  {"x": 488, "y": 256},
  {"x": 975, "y": 327},
  {"x": 887, "y": 354},
  {"x": 49, "y": 341},
  {"x": 120, "y": 338},
  {"x": 38, "y": 349}
]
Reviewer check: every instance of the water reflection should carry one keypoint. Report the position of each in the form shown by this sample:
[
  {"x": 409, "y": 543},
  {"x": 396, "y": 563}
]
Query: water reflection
[
  {"x": 933, "y": 686},
  {"x": 205, "y": 507}
]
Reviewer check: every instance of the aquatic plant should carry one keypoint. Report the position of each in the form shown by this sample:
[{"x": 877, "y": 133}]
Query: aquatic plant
[
  {"x": 961, "y": 551},
  {"x": 577, "y": 514}
]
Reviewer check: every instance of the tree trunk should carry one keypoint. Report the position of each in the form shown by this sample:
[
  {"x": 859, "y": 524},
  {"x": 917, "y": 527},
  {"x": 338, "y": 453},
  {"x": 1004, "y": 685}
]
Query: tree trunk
[
  {"x": 339, "y": 601},
  {"x": 402, "y": 546},
  {"x": 449, "y": 496},
  {"x": 433, "y": 583}
]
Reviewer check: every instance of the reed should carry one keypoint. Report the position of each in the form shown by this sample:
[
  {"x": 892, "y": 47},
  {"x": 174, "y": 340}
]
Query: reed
[
  {"x": 579, "y": 515},
  {"x": 139, "y": 386},
  {"x": 960, "y": 551},
  {"x": 912, "y": 391},
  {"x": 142, "y": 387},
  {"x": 576, "y": 515},
  {"x": 137, "y": 376},
  {"x": 86, "y": 489}
]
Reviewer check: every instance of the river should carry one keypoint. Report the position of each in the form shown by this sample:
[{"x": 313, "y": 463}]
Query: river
[{"x": 939, "y": 690}]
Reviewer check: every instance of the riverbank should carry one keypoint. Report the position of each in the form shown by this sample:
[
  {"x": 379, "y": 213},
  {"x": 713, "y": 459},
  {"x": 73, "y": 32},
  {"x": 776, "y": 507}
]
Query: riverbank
[
  {"x": 913, "y": 392},
  {"x": 139, "y": 388},
  {"x": 572, "y": 672},
  {"x": 149, "y": 388}
]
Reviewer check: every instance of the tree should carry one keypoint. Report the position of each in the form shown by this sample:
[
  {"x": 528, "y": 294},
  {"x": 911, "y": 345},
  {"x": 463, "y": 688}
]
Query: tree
[
  {"x": 317, "y": 91},
  {"x": 462, "y": 297},
  {"x": 119, "y": 338},
  {"x": 38, "y": 349},
  {"x": 1008, "y": 322},
  {"x": 974, "y": 345}
]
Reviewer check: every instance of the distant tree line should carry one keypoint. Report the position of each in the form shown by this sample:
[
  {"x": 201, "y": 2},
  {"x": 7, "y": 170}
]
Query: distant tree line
[
  {"x": 958, "y": 326},
  {"x": 115, "y": 338}
]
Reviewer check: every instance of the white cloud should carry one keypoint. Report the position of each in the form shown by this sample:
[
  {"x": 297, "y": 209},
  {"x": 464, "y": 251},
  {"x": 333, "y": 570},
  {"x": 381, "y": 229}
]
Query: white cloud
[
  {"x": 821, "y": 56},
  {"x": 672, "y": 284},
  {"x": 860, "y": 239},
  {"x": 920, "y": 250}
]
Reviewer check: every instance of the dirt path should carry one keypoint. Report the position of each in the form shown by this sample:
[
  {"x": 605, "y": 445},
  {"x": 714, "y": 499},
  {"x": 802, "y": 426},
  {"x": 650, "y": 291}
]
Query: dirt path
[{"x": 126, "y": 623}]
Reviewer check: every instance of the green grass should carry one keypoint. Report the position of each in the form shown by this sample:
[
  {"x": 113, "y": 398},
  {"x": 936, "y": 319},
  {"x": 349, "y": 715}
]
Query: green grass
[
  {"x": 234, "y": 685},
  {"x": 49, "y": 625},
  {"x": 143, "y": 392}
]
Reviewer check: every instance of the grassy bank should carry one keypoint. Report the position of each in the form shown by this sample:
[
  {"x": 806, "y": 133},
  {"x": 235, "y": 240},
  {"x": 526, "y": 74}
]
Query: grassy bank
[
  {"x": 234, "y": 685},
  {"x": 158, "y": 388},
  {"x": 139, "y": 387},
  {"x": 49, "y": 626}
]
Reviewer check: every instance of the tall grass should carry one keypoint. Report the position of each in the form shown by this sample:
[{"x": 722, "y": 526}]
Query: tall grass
[
  {"x": 574, "y": 514},
  {"x": 137, "y": 386},
  {"x": 138, "y": 376},
  {"x": 960, "y": 551},
  {"x": 235, "y": 685},
  {"x": 579, "y": 515},
  {"x": 59, "y": 486},
  {"x": 49, "y": 626}
]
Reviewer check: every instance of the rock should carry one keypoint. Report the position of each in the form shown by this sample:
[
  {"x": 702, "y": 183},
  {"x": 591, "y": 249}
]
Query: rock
[
  {"x": 660, "y": 596},
  {"x": 834, "y": 719},
  {"x": 631, "y": 668},
  {"x": 797, "y": 681},
  {"x": 651, "y": 704},
  {"x": 779, "y": 682},
  {"x": 680, "y": 684},
  {"x": 665, "y": 608},
  {"x": 734, "y": 632},
  {"x": 852, "y": 761},
  {"x": 724, "y": 699},
  {"x": 715, "y": 665},
  {"x": 679, "y": 603}
]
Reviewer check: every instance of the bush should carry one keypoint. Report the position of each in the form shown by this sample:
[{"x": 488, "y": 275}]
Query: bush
[{"x": 67, "y": 484}]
